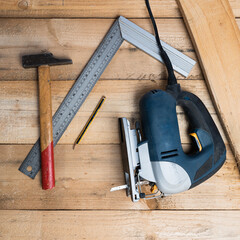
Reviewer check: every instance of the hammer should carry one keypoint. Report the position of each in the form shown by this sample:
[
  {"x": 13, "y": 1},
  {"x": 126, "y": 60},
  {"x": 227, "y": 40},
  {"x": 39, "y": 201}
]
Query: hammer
[{"x": 42, "y": 62}]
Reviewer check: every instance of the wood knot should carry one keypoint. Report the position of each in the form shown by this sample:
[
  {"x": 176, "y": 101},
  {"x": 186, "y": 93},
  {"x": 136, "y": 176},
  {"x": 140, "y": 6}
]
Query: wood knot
[
  {"x": 150, "y": 237},
  {"x": 23, "y": 5}
]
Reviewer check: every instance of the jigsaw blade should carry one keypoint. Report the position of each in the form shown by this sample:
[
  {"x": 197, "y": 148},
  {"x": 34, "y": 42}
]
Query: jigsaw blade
[
  {"x": 129, "y": 157},
  {"x": 122, "y": 187}
]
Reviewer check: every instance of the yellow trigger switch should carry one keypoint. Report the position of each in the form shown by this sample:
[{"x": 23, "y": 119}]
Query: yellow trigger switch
[{"x": 197, "y": 141}]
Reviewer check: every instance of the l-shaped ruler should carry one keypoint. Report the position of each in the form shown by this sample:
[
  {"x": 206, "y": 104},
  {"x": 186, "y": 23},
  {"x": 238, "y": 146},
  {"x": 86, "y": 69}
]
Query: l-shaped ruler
[{"x": 122, "y": 29}]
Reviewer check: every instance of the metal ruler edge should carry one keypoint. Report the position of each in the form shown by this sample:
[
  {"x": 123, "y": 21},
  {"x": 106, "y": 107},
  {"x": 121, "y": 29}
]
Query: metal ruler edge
[{"x": 86, "y": 81}]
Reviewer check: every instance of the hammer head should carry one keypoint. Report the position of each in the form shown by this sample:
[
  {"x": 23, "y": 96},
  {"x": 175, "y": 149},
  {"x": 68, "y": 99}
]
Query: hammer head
[{"x": 29, "y": 61}]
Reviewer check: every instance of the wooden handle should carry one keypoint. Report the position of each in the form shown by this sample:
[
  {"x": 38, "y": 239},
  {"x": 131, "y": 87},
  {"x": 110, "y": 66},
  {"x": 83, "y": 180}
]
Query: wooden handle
[{"x": 45, "y": 103}]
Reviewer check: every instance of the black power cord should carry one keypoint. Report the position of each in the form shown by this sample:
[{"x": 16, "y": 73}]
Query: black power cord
[{"x": 171, "y": 76}]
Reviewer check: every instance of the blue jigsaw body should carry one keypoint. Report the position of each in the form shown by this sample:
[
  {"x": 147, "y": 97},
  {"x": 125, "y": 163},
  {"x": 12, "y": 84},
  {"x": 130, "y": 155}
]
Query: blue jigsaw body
[{"x": 161, "y": 131}]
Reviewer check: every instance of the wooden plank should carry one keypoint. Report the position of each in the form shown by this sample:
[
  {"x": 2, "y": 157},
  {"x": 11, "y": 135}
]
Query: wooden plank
[
  {"x": 19, "y": 117},
  {"x": 84, "y": 177},
  {"x": 217, "y": 40},
  {"x": 93, "y": 8},
  {"x": 78, "y": 39},
  {"x": 147, "y": 225},
  {"x": 81, "y": 8},
  {"x": 123, "y": 95}
]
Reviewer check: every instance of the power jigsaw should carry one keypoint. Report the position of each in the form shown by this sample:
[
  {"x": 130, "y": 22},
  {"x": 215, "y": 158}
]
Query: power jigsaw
[{"x": 152, "y": 153}]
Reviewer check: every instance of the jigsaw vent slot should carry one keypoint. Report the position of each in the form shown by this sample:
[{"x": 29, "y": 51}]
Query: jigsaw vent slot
[
  {"x": 168, "y": 156},
  {"x": 154, "y": 91},
  {"x": 170, "y": 153},
  {"x": 174, "y": 150}
]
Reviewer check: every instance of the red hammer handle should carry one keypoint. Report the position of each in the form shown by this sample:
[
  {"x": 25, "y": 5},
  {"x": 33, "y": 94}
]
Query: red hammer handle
[{"x": 46, "y": 139}]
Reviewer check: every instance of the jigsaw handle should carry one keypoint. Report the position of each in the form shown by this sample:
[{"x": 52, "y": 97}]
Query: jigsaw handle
[
  {"x": 160, "y": 128},
  {"x": 46, "y": 138},
  {"x": 203, "y": 129},
  {"x": 200, "y": 118}
]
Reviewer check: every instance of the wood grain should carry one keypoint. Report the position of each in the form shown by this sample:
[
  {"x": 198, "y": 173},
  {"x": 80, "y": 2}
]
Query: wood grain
[
  {"x": 45, "y": 106},
  {"x": 122, "y": 95},
  {"x": 77, "y": 39},
  {"x": 19, "y": 115},
  {"x": 216, "y": 37},
  {"x": 93, "y": 8},
  {"x": 84, "y": 177},
  {"x": 146, "y": 225}
]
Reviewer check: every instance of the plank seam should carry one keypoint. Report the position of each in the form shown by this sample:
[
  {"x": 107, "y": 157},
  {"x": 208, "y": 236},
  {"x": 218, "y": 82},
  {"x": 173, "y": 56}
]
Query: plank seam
[{"x": 124, "y": 210}]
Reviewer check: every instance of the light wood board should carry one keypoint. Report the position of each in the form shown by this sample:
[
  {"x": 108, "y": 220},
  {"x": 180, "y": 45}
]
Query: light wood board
[
  {"x": 147, "y": 225},
  {"x": 19, "y": 113},
  {"x": 84, "y": 177},
  {"x": 216, "y": 37},
  {"x": 93, "y": 8},
  {"x": 77, "y": 39}
]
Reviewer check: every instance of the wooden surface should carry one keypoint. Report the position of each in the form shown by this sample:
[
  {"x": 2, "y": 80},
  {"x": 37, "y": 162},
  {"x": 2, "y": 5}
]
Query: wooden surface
[
  {"x": 125, "y": 224},
  {"x": 45, "y": 106},
  {"x": 93, "y": 8},
  {"x": 81, "y": 205},
  {"x": 216, "y": 37}
]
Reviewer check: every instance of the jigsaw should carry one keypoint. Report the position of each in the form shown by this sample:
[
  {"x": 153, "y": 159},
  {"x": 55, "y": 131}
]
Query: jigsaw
[{"x": 152, "y": 153}]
